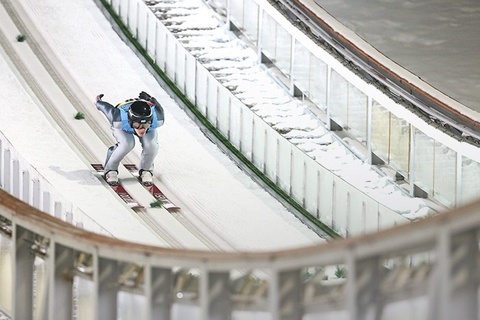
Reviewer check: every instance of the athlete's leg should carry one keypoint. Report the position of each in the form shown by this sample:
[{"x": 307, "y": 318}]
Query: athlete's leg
[
  {"x": 149, "y": 150},
  {"x": 115, "y": 154}
]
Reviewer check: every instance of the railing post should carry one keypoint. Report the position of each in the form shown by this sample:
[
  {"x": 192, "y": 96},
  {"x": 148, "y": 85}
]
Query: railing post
[
  {"x": 464, "y": 265},
  {"x": 273, "y": 294},
  {"x": 291, "y": 295},
  {"x": 46, "y": 202},
  {"x": 368, "y": 298},
  {"x": 439, "y": 286},
  {"x": 60, "y": 293},
  {"x": 16, "y": 178},
  {"x": 36, "y": 194},
  {"x": 69, "y": 217},
  {"x": 23, "y": 266},
  {"x": 107, "y": 289},
  {"x": 26, "y": 186},
  {"x": 219, "y": 296},
  {"x": 7, "y": 171},
  {"x": 57, "y": 210},
  {"x": 158, "y": 291},
  {"x": 351, "y": 287},
  {"x": 203, "y": 293}
]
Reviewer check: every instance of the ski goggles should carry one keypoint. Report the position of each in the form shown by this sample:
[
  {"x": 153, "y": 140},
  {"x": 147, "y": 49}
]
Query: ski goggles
[{"x": 137, "y": 125}]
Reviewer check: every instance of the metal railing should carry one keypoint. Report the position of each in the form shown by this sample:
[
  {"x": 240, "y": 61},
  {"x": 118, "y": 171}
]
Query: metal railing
[
  {"x": 366, "y": 96},
  {"x": 23, "y": 181},
  {"x": 50, "y": 269}
]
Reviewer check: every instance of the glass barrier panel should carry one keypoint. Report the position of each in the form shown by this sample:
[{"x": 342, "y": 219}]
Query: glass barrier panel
[
  {"x": 283, "y": 50},
  {"x": 318, "y": 83},
  {"x": 357, "y": 114},
  {"x": 301, "y": 69},
  {"x": 268, "y": 31},
  {"x": 400, "y": 146},
  {"x": 470, "y": 183},
  {"x": 423, "y": 165},
  {"x": 338, "y": 99},
  {"x": 310, "y": 76},
  {"x": 445, "y": 176},
  {"x": 250, "y": 21},
  {"x": 235, "y": 13},
  {"x": 380, "y": 130}
]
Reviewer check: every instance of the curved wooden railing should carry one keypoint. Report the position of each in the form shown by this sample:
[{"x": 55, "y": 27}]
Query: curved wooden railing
[{"x": 431, "y": 264}]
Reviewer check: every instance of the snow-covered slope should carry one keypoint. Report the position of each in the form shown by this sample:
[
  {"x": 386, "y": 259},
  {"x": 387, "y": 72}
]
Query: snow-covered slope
[{"x": 212, "y": 191}]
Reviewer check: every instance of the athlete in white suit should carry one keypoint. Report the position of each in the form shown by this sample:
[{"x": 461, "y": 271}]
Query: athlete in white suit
[{"x": 135, "y": 117}]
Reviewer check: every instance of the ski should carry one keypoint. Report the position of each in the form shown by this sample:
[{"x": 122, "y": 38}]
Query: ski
[
  {"x": 119, "y": 189},
  {"x": 153, "y": 189}
]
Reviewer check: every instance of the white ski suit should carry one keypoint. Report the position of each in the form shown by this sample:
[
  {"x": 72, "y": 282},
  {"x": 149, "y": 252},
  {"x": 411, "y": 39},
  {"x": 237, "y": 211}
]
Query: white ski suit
[{"x": 125, "y": 134}]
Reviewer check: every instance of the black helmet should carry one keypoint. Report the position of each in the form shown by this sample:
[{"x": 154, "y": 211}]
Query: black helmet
[{"x": 140, "y": 112}]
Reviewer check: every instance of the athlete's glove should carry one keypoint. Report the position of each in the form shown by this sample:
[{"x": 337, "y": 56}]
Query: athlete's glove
[
  {"x": 99, "y": 97},
  {"x": 145, "y": 96}
]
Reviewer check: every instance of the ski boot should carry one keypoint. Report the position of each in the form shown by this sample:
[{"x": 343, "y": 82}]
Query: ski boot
[
  {"x": 112, "y": 177},
  {"x": 146, "y": 177}
]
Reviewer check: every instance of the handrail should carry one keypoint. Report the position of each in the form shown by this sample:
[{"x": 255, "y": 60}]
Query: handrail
[
  {"x": 416, "y": 93},
  {"x": 425, "y": 230},
  {"x": 445, "y": 236},
  {"x": 18, "y": 177}
]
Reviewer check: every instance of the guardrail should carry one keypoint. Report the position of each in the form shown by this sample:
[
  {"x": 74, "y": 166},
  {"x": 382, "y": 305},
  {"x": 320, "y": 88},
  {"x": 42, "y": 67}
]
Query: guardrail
[
  {"x": 425, "y": 270},
  {"x": 24, "y": 182},
  {"x": 459, "y": 120},
  {"x": 401, "y": 121}
]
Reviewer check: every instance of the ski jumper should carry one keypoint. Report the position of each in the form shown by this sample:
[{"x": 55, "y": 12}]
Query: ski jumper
[{"x": 125, "y": 135}]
